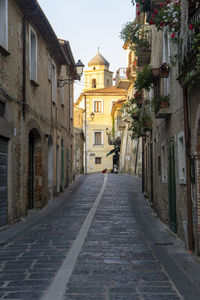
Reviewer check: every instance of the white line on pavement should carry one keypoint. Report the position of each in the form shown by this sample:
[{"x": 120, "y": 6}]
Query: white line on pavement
[{"x": 57, "y": 288}]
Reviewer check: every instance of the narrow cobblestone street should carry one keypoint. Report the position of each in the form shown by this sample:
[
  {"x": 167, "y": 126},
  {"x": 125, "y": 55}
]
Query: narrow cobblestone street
[{"x": 86, "y": 245}]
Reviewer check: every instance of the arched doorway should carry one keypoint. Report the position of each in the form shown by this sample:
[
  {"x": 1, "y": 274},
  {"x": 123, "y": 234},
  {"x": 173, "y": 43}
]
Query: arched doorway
[
  {"x": 35, "y": 178},
  {"x": 50, "y": 166}
]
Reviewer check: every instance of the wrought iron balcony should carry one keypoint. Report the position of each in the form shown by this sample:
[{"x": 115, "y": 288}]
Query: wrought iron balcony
[
  {"x": 187, "y": 55},
  {"x": 144, "y": 45},
  {"x": 121, "y": 79}
]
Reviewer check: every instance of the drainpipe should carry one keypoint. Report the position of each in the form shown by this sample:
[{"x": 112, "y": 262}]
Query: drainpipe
[
  {"x": 151, "y": 162},
  {"x": 24, "y": 68},
  {"x": 188, "y": 169},
  {"x": 142, "y": 164},
  {"x": 85, "y": 135}
]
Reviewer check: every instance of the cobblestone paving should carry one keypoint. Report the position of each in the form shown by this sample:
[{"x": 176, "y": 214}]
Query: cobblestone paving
[
  {"x": 29, "y": 263},
  {"x": 116, "y": 262}
]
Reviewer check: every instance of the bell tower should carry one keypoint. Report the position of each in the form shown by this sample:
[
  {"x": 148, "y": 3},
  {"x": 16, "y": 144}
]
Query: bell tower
[{"x": 98, "y": 76}]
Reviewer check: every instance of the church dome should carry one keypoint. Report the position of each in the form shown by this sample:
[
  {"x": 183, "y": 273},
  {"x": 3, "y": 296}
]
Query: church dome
[{"x": 98, "y": 60}]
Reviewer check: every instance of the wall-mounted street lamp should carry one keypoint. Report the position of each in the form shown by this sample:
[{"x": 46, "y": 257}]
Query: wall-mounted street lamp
[
  {"x": 92, "y": 116},
  {"x": 79, "y": 70}
]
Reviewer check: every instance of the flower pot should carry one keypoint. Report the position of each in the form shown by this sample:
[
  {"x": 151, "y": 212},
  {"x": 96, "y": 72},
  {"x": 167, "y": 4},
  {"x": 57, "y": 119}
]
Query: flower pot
[
  {"x": 164, "y": 73},
  {"x": 155, "y": 72},
  {"x": 164, "y": 104}
]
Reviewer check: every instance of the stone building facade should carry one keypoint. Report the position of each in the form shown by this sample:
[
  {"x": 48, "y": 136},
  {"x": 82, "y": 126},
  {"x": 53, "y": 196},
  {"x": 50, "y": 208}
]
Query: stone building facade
[
  {"x": 170, "y": 147},
  {"x": 170, "y": 160},
  {"x": 79, "y": 140},
  {"x": 130, "y": 149},
  {"x": 36, "y": 116}
]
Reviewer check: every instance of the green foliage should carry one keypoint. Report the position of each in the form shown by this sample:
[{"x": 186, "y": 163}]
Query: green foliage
[
  {"x": 158, "y": 101},
  {"x": 136, "y": 34},
  {"x": 144, "y": 79},
  {"x": 144, "y": 5}
]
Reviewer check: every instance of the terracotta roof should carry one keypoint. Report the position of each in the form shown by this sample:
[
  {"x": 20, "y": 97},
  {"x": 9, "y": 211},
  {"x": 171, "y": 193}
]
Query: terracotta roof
[
  {"x": 112, "y": 90},
  {"x": 108, "y": 90},
  {"x": 98, "y": 60}
]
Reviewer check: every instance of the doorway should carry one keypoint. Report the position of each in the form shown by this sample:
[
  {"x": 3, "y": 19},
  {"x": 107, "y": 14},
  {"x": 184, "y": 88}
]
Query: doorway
[
  {"x": 172, "y": 187},
  {"x": 3, "y": 181}
]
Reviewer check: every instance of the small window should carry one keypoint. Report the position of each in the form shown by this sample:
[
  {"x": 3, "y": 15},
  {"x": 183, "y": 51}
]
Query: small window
[
  {"x": 98, "y": 138},
  {"x": 53, "y": 83},
  {"x": 33, "y": 55},
  {"x": 98, "y": 106},
  {"x": 97, "y": 160},
  {"x": 94, "y": 85},
  {"x": 4, "y": 24},
  {"x": 94, "y": 68}
]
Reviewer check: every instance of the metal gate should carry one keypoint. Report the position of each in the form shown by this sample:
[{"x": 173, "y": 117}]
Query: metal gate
[
  {"x": 172, "y": 188},
  {"x": 3, "y": 181}
]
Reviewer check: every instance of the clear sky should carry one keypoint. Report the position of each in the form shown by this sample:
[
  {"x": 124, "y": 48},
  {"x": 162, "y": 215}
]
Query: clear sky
[{"x": 89, "y": 24}]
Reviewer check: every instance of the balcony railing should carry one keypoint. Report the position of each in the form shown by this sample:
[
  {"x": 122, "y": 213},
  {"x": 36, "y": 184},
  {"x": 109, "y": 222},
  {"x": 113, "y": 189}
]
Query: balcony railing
[
  {"x": 187, "y": 55},
  {"x": 144, "y": 45}
]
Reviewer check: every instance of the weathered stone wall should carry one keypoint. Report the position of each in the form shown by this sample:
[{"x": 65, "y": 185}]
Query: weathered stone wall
[
  {"x": 44, "y": 119},
  {"x": 164, "y": 131}
]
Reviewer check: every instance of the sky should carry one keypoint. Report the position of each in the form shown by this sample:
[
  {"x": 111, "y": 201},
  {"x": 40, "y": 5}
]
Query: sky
[{"x": 89, "y": 24}]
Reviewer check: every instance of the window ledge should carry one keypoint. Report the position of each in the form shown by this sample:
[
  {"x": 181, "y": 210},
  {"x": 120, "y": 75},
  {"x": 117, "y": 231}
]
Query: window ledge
[
  {"x": 3, "y": 51},
  {"x": 98, "y": 145},
  {"x": 34, "y": 83},
  {"x": 182, "y": 181}
]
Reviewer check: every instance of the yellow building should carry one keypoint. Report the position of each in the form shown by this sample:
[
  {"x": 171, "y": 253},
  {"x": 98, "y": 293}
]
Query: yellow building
[{"x": 97, "y": 100}]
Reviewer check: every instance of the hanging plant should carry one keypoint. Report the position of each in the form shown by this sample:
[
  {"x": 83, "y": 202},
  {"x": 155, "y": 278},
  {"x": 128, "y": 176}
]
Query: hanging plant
[
  {"x": 143, "y": 5},
  {"x": 160, "y": 102},
  {"x": 144, "y": 79},
  {"x": 136, "y": 34},
  {"x": 164, "y": 70},
  {"x": 134, "y": 113},
  {"x": 168, "y": 16},
  {"x": 195, "y": 51},
  {"x": 146, "y": 122}
]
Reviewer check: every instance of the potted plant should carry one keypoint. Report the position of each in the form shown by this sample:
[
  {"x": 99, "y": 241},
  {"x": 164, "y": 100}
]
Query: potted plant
[
  {"x": 160, "y": 102},
  {"x": 164, "y": 101},
  {"x": 164, "y": 70},
  {"x": 155, "y": 72}
]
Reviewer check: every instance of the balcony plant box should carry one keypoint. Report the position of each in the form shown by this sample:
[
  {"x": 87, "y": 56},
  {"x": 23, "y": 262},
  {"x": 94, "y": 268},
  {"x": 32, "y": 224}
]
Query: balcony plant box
[{"x": 164, "y": 70}]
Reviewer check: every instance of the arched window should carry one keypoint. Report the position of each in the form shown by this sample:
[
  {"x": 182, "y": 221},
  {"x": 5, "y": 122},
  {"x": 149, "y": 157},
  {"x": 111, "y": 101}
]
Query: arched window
[{"x": 94, "y": 83}]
